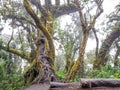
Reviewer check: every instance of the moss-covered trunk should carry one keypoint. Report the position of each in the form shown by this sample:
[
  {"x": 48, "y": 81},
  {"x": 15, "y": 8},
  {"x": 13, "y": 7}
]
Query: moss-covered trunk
[
  {"x": 86, "y": 29},
  {"x": 42, "y": 67},
  {"x": 42, "y": 63},
  {"x": 71, "y": 74},
  {"x": 69, "y": 64},
  {"x": 40, "y": 70}
]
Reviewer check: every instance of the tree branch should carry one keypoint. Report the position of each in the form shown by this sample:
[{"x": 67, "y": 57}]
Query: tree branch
[
  {"x": 20, "y": 18},
  {"x": 98, "y": 13},
  {"x": 57, "y": 9},
  {"x": 17, "y": 52},
  {"x": 40, "y": 25},
  {"x": 63, "y": 9},
  {"x": 82, "y": 19}
]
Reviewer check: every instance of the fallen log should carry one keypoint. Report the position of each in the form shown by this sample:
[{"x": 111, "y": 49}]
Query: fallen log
[
  {"x": 84, "y": 84},
  {"x": 88, "y": 83}
]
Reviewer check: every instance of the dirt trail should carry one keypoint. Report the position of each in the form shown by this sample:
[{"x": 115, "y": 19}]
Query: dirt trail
[
  {"x": 47, "y": 87},
  {"x": 38, "y": 87}
]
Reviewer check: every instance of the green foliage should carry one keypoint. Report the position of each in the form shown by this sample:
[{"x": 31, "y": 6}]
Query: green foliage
[
  {"x": 60, "y": 74},
  {"x": 3, "y": 55},
  {"x": 106, "y": 72},
  {"x": 77, "y": 78},
  {"x": 10, "y": 78}
]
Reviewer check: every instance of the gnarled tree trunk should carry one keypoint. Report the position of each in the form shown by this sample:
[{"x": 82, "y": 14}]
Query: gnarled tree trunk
[
  {"x": 42, "y": 67},
  {"x": 41, "y": 58}
]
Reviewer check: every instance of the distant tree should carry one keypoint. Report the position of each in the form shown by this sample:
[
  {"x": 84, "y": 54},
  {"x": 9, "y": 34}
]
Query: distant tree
[
  {"x": 69, "y": 39},
  {"x": 112, "y": 38}
]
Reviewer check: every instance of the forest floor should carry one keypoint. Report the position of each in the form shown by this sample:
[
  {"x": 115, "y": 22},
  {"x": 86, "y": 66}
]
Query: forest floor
[
  {"x": 46, "y": 87},
  {"x": 84, "y": 84},
  {"x": 38, "y": 87}
]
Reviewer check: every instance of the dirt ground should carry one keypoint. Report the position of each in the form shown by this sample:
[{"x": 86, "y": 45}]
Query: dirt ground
[
  {"x": 84, "y": 84},
  {"x": 47, "y": 87},
  {"x": 38, "y": 87}
]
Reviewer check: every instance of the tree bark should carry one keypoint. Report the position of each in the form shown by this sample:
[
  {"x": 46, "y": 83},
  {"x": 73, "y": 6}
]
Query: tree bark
[
  {"x": 102, "y": 55},
  {"x": 42, "y": 67}
]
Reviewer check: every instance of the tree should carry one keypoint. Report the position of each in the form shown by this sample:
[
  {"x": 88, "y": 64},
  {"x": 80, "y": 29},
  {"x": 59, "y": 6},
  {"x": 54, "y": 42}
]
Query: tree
[
  {"x": 102, "y": 55},
  {"x": 69, "y": 39},
  {"x": 38, "y": 24},
  {"x": 86, "y": 28},
  {"x": 37, "y": 20},
  {"x": 110, "y": 39}
]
